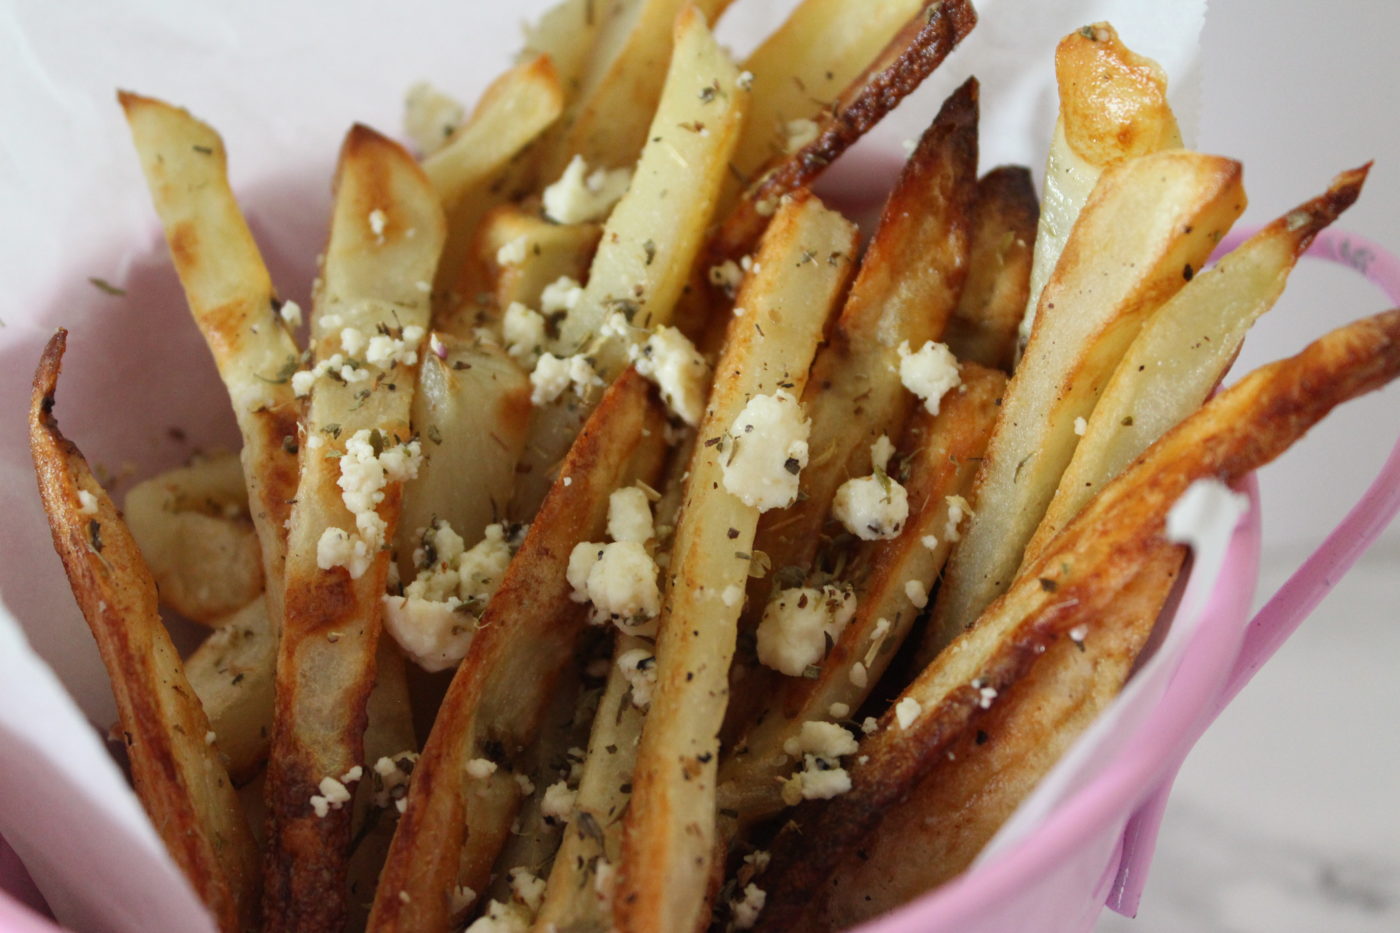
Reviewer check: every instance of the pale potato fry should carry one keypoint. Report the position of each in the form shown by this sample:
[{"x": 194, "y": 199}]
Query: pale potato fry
[
  {"x": 1082, "y": 571},
  {"x": 806, "y": 261},
  {"x": 387, "y": 229},
  {"x": 455, "y": 824},
  {"x": 192, "y": 526},
  {"x": 985, "y": 324},
  {"x": 565, "y": 33},
  {"x": 912, "y": 55},
  {"x": 967, "y": 796},
  {"x": 175, "y": 768},
  {"x": 1185, "y": 348},
  {"x": 233, "y": 673},
  {"x": 1113, "y": 106},
  {"x": 1150, "y": 218},
  {"x": 231, "y": 297}
]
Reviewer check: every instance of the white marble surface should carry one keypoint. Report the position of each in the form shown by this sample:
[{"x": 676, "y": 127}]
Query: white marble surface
[{"x": 1284, "y": 818}]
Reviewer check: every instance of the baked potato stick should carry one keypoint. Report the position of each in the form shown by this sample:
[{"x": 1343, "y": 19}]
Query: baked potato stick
[
  {"x": 910, "y": 57},
  {"x": 893, "y": 579},
  {"x": 565, "y": 33},
  {"x": 1081, "y": 573},
  {"x": 1185, "y": 348},
  {"x": 175, "y": 766},
  {"x": 607, "y": 123},
  {"x": 987, "y": 320},
  {"x": 1113, "y": 106},
  {"x": 967, "y": 796},
  {"x": 231, "y": 297},
  {"x": 514, "y": 110},
  {"x": 669, "y": 834},
  {"x": 386, "y": 231},
  {"x": 1151, "y": 221},
  {"x": 233, "y": 673},
  {"x": 455, "y": 823}
]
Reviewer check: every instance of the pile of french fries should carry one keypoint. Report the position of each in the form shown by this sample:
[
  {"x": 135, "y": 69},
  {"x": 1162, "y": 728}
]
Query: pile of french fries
[{"x": 766, "y": 573}]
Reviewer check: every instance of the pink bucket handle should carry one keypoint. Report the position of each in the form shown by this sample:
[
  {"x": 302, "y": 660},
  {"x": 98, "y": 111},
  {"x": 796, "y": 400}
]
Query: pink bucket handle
[{"x": 1284, "y": 612}]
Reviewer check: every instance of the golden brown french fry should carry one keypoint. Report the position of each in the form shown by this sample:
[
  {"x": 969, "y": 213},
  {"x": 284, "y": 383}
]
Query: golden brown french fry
[
  {"x": 1113, "y": 106},
  {"x": 231, "y": 296},
  {"x": 1185, "y": 348},
  {"x": 455, "y": 824},
  {"x": 174, "y": 765},
  {"x": 910, "y": 57},
  {"x": 942, "y": 452},
  {"x": 669, "y": 833},
  {"x": 1083, "y": 571},
  {"x": 1149, "y": 219},
  {"x": 985, "y": 324},
  {"x": 967, "y": 796},
  {"x": 387, "y": 229},
  {"x": 233, "y": 673}
]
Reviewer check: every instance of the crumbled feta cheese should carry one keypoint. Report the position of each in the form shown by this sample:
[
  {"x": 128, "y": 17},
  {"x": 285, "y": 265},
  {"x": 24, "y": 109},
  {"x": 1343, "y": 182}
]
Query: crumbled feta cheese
[
  {"x": 352, "y": 340},
  {"x": 873, "y": 508},
  {"x": 985, "y": 694},
  {"x": 290, "y": 313},
  {"x": 629, "y": 515},
  {"x": 210, "y": 737},
  {"x": 552, "y": 376},
  {"x": 302, "y": 381},
  {"x": 378, "y": 221},
  {"x": 869, "y": 725},
  {"x": 604, "y": 884},
  {"x": 523, "y": 330},
  {"x": 527, "y": 786},
  {"x": 929, "y": 373},
  {"x": 767, "y": 447},
  {"x": 798, "y": 133},
  {"x": 745, "y": 80},
  {"x": 87, "y": 503},
  {"x": 1079, "y": 633},
  {"x": 668, "y": 359},
  {"x": 385, "y": 350},
  {"x": 758, "y": 859},
  {"x": 727, "y": 275},
  {"x": 558, "y": 802},
  {"x": 430, "y": 117},
  {"x": 619, "y": 578},
  {"x": 859, "y": 676},
  {"x": 579, "y": 197},
  {"x": 906, "y": 711},
  {"x": 821, "y": 777},
  {"x": 958, "y": 509},
  {"x": 563, "y": 294},
  {"x": 929, "y": 541},
  {"x": 916, "y": 592},
  {"x": 1081, "y": 427},
  {"x": 338, "y": 548},
  {"x": 333, "y": 796},
  {"x": 732, "y": 595},
  {"x": 838, "y": 710},
  {"x": 502, "y": 918},
  {"x": 391, "y": 778},
  {"x": 638, "y": 667},
  {"x": 513, "y": 253},
  {"x": 797, "y": 622},
  {"x": 746, "y": 910},
  {"x": 481, "y": 768}
]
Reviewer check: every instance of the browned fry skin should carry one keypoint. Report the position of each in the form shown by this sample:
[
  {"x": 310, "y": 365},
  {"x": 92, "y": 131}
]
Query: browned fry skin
[
  {"x": 455, "y": 824},
  {"x": 911, "y": 56},
  {"x": 970, "y": 792},
  {"x": 1081, "y": 572},
  {"x": 177, "y": 771},
  {"x": 983, "y": 328}
]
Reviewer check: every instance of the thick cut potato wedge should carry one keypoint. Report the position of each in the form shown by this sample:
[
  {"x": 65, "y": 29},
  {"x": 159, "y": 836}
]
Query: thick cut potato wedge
[
  {"x": 175, "y": 766},
  {"x": 231, "y": 297},
  {"x": 1081, "y": 573},
  {"x": 387, "y": 229},
  {"x": 233, "y": 673},
  {"x": 1151, "y": 222},
  {"x": 455, "y": 824},
  {"x": 1185, "y": 348},
  {"x": 669, "y": 832}
]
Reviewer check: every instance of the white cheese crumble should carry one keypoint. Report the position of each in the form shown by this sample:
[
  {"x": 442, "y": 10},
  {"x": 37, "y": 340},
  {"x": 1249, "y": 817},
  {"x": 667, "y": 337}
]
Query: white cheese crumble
[
  {"x": 523, "y": 330},
  {"x": 378, "y": 221},
  {"x": 767, "y": 446},
  {"x": 873, "y": 508},
  {"x": 796, "y": 624},
  {"x": 385, "y": 350},
  {"x": 732, "y": 595},
  {"x": 916, "y": 592},
  {"x": 869, "y": 725},
  {"x": 1081, "y": 427},
  {"x": 859, "y": 676},
  {"x": 391, "y": 779},
  {"x": 370, "y": 463},
  {"x": 527, "y": 887},
  {"x": 333, "y": 792},
  {"x": 747, "y": 909},
  {"x": 930, "y": 542},
  {"x": 958, "y": 509},
  {"x": 821, "y": 777},
  {"x": 798, "y": 133},
  {"x": 513, "y": 252},
  {"x": 352, "y": 340},
  {"x": 838, "y": 710},
  {"x": 728, "y": 275},
  {"x": 210, "y": 737},
  {"x": 553, "y": 376},
  {"x": 578, "y": 196},
  {"x": 87, "y": 503},
  {"x": 929, "y": 373},
  {"x": 668, "y": 359},
  {"x": 638, "y": 668},
  {"x": 563, "y": 294},
  {"x": 619, "y": 578},
  {"x": 745, "y": 80},
  {"x": 907, "y": 711},
  {"x": 1079, "y": 633},
  {"x": 290, "y": 313},
  {"x": 337, "y": 366},
  {"x": 430, "y": 117},
  {"x": 502, "y": 918},
  {"x": 557, "y": 805},
  {"x": 481, "y": 768}
]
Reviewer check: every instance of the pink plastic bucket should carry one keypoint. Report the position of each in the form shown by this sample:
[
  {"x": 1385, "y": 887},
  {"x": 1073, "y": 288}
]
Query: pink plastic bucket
[{"x": 1095, "y": 849}]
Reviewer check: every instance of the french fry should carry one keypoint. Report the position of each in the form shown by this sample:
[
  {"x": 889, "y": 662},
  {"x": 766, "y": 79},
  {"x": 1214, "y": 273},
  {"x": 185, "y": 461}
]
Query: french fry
[
  {"x": 387, "y": 229},
  {"x": 1184, "y": 350},
  {"x": 565, "y": 33},
  {"x": 669, "y": 832},
  {"x": 455, "y": 824},
  {"x": 1113, "y": 106},
  {"x": 910, "y": 57},
  {"x": 233, "y": 673},
  {"x": 175, "y": 767},
  {"x": 943, "y": 454},
  {"x": 1151, "y": 221},
  {"x": 985, "y": 324},
  {"x": 231, "y": 297},
  {"x": 192, "y": 527},
  {"x": 1081, "y": 573},
  {"x": 967, "y": 796}
]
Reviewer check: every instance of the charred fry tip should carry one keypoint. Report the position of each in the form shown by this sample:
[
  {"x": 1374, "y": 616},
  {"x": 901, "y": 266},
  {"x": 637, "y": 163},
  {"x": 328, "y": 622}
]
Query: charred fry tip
[{"x": 46, "y": 378}]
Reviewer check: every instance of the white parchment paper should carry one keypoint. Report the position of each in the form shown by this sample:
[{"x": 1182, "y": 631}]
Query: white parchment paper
[{"x": 282, "y": 81}]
